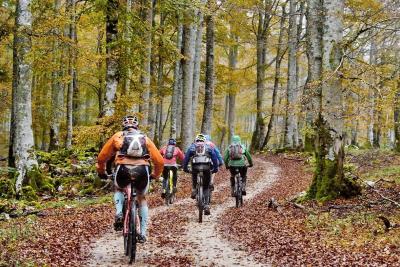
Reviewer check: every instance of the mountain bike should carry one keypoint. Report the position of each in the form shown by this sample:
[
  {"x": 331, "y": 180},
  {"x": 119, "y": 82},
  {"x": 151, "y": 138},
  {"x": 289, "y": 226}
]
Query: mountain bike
[
  {"x": 131, "y": 226},
  {"x": 238, "y": 190},
  {"x": 202, "y": 196},
  {"x": 169, "y": 188}
]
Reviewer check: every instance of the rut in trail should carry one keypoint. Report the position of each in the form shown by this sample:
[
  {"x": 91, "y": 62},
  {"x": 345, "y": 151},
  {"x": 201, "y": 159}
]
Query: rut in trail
[{"x": 197, "y": 244}]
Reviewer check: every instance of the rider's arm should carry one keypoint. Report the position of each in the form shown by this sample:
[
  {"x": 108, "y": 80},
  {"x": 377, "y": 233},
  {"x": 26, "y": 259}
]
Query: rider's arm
[
  {"x": 226, "y": 156},
  {"x": 219, "y": 156},
  {"x": 162, "y": 151},
  {"x": 214, "y": 160},
  {"x": 155, "y": 157},
  {"x": 106, "y": 153},
  {"x": 248, "y": 156},
  {"x": 186, "y": 160},
  {"x": 179, "y": 154}
]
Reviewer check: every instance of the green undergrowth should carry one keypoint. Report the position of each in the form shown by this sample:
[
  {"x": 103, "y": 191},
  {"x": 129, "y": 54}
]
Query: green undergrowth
[
  {"x": 354, "y": 230},
  {"x": 67, "y": 173}
]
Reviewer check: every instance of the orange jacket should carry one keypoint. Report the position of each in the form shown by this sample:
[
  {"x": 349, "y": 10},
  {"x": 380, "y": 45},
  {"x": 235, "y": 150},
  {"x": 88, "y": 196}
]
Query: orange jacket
[{"x": 113, "y": 146}]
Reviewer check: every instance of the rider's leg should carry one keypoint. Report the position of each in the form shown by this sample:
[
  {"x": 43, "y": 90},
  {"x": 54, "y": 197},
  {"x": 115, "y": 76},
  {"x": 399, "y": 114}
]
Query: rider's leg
[
  {"x": 175, "y": 176},
  {"x": 119, "y": 202},
  {"x": 206, "y": 191},
  {"x": 232, "y": 171},
  {"x": 212, "y": 182},
  {"x": 243, "y": 173},
  {"x": 164, "y": 181},
  {"x": 194, "y": 182},
  {"x": 143, "y": 214}
]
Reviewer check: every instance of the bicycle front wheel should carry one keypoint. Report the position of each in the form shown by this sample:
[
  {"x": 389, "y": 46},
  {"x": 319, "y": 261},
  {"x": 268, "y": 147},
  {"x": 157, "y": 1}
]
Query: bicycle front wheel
[
  {"x": 133, "y": 233},
  {"x": 238, "y": 193},
  {"x": 200, "y": 198}
]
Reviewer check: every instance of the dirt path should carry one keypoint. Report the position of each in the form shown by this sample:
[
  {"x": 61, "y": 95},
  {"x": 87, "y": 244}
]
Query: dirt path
[{"x": 187, "y": 242}]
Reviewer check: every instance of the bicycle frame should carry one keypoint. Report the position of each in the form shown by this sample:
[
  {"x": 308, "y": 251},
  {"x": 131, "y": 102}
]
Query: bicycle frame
[
  {"x": 238, "y": 188},
  {"x": 130, "y": 237}
]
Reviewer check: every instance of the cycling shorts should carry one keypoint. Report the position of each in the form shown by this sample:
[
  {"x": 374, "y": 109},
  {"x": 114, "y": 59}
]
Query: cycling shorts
[{"x": 139, "y": 174}]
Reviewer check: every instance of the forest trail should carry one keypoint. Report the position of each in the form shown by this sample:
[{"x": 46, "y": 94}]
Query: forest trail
[{"x": 194, "y": 243}]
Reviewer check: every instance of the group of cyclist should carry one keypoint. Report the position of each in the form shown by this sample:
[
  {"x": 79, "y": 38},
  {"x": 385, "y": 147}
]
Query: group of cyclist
[{"x": 132, "y": 151}]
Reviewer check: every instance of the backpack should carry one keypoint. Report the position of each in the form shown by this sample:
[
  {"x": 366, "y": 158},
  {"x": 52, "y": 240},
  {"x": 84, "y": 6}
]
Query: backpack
[
  {"x": 134, "y": 145},
  {"x": 201, "y": 154},
  {"x": 235, "y": 152},
  {"x": 169, "y": 151}
]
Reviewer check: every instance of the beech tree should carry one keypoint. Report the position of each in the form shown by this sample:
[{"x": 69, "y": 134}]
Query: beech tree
[{"x": 22, "y": 155}]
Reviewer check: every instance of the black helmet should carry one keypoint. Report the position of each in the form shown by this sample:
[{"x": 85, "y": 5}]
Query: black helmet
[
  {"x": 130, "y": 121},
  {"x": 172, "y": 141}
]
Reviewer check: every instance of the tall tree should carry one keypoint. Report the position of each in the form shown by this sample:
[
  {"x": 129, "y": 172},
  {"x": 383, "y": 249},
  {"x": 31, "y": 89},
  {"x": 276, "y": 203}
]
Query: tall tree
[
  {"x": 72, "y": 97},
  {"x": 189, "y": 39},
  {"x": 145, "y": 79},
  {"x": 329, "y": 180},
  {"x": 57, "y": 89},
  {"x": 21, "y": 155},
  {"x": 233, "y": 58},
  {"x": 112, "y": 57},
  {"x": 177, "y": 84},
  {"x": 314, "y": 32},
  {"x": 291, "y": 123},
  {"x": 264, "y": 12},
  {"x": 197, "y": 61},
  {"x": 206, "y": 125},
  {"x": 280, "y": 52}
]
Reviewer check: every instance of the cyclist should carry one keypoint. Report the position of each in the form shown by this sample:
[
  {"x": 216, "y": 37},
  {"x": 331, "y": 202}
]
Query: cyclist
[
  {"x": 133, "y": 152},
  {"x": 170, "y": 153},
  {"x": 199, "y": 149},
  {"x": 219, "y": 156},
  {"x": 235, "y": 158}
]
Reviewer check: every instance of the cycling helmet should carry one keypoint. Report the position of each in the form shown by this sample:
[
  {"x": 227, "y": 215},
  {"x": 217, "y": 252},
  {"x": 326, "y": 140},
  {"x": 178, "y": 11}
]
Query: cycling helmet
[
  {"x": 200, "y": 138},
  {"x": 172, "y": 141},
  {"x": 130, "y": 121}
]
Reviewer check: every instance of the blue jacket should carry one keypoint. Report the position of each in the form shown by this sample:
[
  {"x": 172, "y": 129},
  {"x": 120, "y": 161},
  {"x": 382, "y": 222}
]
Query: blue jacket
[
  {"x": 191, "y": 152},
  {"x": 214, "y": 147}
]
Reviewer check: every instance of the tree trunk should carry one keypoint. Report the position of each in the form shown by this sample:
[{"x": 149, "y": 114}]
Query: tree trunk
[
  {"x": 376, "y": 114},
  {"x": 175, "y": 105},
  {"x": 112, "y": 58},
  {"x": 264, "y": 17},
  {"x": 72, "y": 85},
  {"x": 312, "y": 88},
  {"x": 57, "y": 91},
  {"x": 206, "y": 126},
  {"x": 146, "y": 77},
  {"x": 329, "y": 180},
  {"x": 396, "y": 117},
  {"x": 291, "y": 131},
  {"x": 189, "y": 39},
  {"x": 279, "y": 56},
  {"x": 76, "y": 104},
  {"x": 233, "y": 57},
  {"x": 22, "y": 156},
  {"x": 100, "y": 91},
  {"x": 127, "y": 57},
  {"x": 197, "y": 64}
]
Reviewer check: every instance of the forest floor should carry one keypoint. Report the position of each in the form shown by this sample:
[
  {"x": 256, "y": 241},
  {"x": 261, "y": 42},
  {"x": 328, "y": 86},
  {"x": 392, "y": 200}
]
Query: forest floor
[{"x": 336, "y": 233}]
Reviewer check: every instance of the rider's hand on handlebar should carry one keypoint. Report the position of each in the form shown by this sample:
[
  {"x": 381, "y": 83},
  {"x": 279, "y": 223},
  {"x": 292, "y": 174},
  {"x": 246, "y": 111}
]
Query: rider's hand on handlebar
[
  {"x": 152, "y": 177},
  {"x": 250, "y": 165},
  {"x": 103, "y": 176}
]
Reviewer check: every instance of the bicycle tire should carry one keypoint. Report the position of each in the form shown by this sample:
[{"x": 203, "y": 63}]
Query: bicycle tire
[
  {"x": 133, "y": 233},
  {"x": 200, "y": 198},
  {"x": 126, "y": 235},
  {"x": 238, "y": 193},
  {"x": 171, "y": 187},
  {"x": 167, "y": 194}
]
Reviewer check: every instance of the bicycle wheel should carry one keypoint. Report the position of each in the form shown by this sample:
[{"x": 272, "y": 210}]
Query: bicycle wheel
[
  {"x": 171, "y": 187},
  {"x": 167, "y": 194},
  {"x": 238, "y": 190},
  {"x": 200, "y": 197},
  {"x": 126, "y": 235},
  {"x": 133, "y": 233}
]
